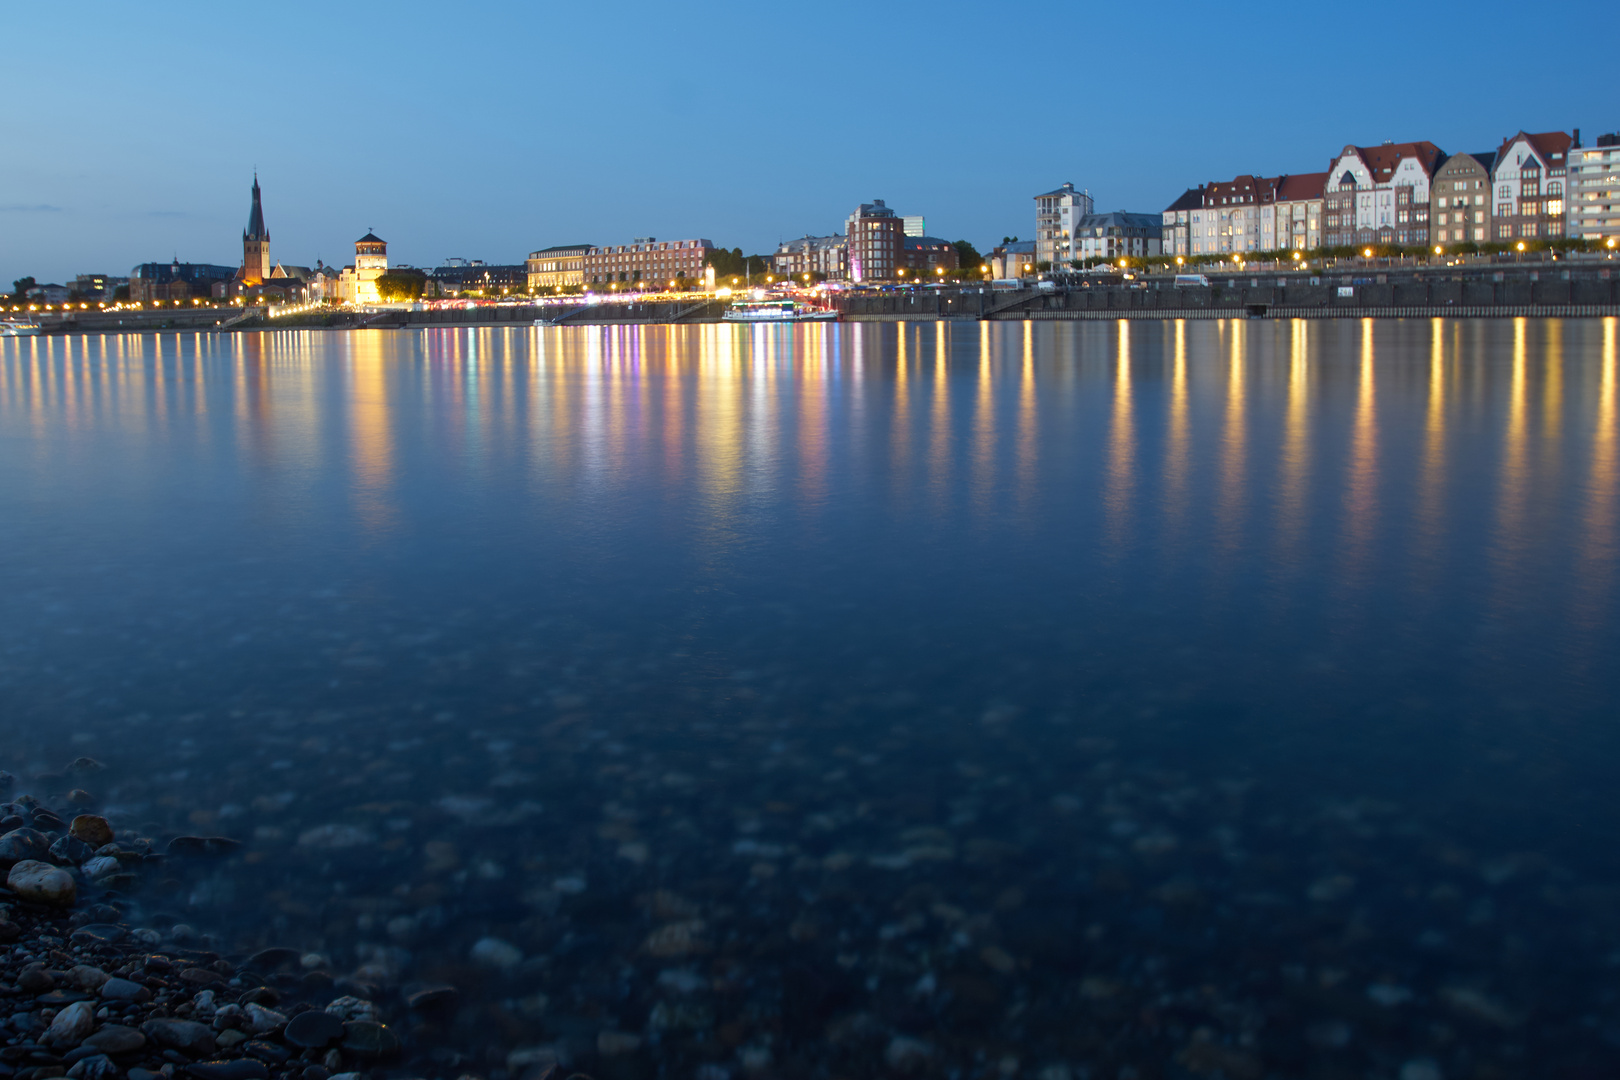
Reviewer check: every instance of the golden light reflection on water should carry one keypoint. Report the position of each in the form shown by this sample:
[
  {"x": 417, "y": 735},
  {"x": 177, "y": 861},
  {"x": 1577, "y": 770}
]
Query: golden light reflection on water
[
  {"x": 1296, "y": 442},
  {"x": 1119, "y": 490},
  {"x": 1361, "y": 492}
]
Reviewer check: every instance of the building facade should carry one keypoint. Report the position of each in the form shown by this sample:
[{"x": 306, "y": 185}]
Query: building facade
[
  {"x": 1292, "y": 221},
  {"x": 1176, "y": 229},
  {"x": 175, "y": 280},
  {"x": 927, "y": 256},
  {"x": 646, "y": 262},
  {"x": 480, "y": 279},
  {"x": 1528, "y": 178},
  {"x": 1460, "y": 205},
  {"x": 914, "y": 225},
  {"x": 560, "y": 267},
  {"x": 1594, "y": 190},
  {"x": 1380, "y": 194},
  {"x": 1014, "y": 259},
  {"x": 875, "y": 236},
  {"x": 1119, "y": 235},
  {"x": 1055, "y": 215},
  {"x": 822, "y": 256}
]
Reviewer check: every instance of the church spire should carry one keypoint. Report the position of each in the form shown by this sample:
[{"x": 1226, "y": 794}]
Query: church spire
[{"x": 255, "y": 228}]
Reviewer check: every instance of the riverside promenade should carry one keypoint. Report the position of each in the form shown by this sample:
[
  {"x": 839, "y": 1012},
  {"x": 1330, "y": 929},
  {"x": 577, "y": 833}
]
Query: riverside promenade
[{"x": 1550, "y": 290}]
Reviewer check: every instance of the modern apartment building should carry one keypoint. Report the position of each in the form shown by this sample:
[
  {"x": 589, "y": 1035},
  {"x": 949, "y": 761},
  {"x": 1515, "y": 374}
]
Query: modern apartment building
[
  {"x": 876, "y": 240},
  {"x": 1594, "y": 190},
  {"x": 1529, "y": 179},
  {"x": 914, "y": 225},
  {"x": 1055, "y": 215},
  {"x": 1380, "y": 194},
  {"x": 648, "y": 260},
  {"x": 825, "y": 256},
  {"x": 1460, "y": 204},
  {"x": 559, "y": 267}
]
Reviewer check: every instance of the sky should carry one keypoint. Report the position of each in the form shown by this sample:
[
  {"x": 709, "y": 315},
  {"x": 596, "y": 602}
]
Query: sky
[{"x": 132, "y": 132}]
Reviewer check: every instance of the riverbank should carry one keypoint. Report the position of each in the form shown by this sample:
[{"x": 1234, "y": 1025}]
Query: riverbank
[{"x": 92, "y": 989}]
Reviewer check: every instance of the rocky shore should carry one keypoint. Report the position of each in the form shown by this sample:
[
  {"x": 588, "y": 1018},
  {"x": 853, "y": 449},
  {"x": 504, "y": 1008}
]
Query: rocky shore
[{"x": 86, "y": 995}]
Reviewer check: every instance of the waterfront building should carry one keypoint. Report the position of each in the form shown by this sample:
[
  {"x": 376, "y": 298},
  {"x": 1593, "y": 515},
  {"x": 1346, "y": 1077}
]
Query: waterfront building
[
  {"x": 560, "y": 267},
  {"x": 876, "y": 239},
  {"x": 1293, "y": 220},
  {"x": 1460, "y": 205},
  {"x": 1380, "y": 194},
  {"x": 357, "y": 284},
  {"x": 480, "y": 278},
  {"x": 97, "y": 286},
  {"x": 1594, "y": 190},
  {"x": 1177, "y": 221},
  {"x": 322, "y": 285},
  {"x": 1118, "y": 235},
  {"x": 824, "y": 256},
  {"x": 1013, "y": 259},
  {"x": 1529, "y": 177},
  {"x": 49, "y": 293},
  {"x": 1055, "y": 215},
  {"x": 914, "y": 225},
  {"x": 924, "y": 256},
  {"x": 647, "y": 261},
  {"x": 176, "y": 280},
  {"x": 255, "y": 243}
]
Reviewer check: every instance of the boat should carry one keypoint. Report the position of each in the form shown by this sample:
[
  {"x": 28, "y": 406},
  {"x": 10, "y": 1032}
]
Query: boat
[
  {"x": 8, "y": 328},
  {"x": 751, "y": 311}
]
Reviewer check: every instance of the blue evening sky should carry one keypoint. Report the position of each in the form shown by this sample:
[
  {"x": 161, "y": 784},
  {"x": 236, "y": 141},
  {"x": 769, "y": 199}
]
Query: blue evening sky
[{"x": 488, "y": 130}]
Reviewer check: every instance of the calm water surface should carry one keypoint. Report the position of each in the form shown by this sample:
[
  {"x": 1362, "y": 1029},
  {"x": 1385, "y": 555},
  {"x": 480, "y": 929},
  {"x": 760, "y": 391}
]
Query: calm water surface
[{"x": 1080, "y": 700}]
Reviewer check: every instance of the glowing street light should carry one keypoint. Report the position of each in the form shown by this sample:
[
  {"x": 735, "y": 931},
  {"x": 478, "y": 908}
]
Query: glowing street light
[{"x": 1366, "y": 253}]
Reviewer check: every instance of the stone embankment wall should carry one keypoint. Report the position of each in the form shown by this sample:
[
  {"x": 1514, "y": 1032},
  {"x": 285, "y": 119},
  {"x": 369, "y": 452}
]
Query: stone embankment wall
[{"x": 1587, "y": 295}]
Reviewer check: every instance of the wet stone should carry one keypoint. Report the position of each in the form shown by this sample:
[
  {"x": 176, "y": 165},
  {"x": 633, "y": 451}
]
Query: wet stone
[
  {"x": 265, "y": 1051},
  {"x": 93, "y": 829},
  {"x": 41, "y": 882},
  {"x": 100, "y": 933},
  {"x": 116, "y": 1039},
  {"x": 186, "y": 1035},
  {"x": 116, "y": 989},
  {"x": 70, "y": 851},
  {"x": 433, "y": 997},
  {"x": 314, "y": 1030},
  {"x": 97, "y": 1067}
]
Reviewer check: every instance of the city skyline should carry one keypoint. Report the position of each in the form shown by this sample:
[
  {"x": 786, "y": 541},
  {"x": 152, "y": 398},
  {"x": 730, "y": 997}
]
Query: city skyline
[{"x": 135, "y": 154}]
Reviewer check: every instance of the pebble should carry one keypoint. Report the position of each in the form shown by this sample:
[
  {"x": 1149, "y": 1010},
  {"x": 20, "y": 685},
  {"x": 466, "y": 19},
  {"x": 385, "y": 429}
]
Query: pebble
[
  {"x": 185, "y": 1035},
  {"x": 70, "y": 1026},
  {"x": 23, "y": 844},
  {"x": 96, "y": 1067},
  {"x": 92, "y": 829},
  {"x": 42, "y": 883},
  {"x": 117, "y": 989},
  {"x": 313, "y": 1029},
  {"x": 495, "y": 953},
  {"x": 116, "y": 1039}
]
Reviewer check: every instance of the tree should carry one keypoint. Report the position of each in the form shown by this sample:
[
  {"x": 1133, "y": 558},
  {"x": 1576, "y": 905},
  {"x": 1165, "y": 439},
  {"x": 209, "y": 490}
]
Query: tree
[
  {"x": 1009, "y": 239},
  {"x": 395, "y": 286},
  {"x": 734, "y": 263},
  {"x": 20, "y": 287},
  {"x": 967, "y": 256}
]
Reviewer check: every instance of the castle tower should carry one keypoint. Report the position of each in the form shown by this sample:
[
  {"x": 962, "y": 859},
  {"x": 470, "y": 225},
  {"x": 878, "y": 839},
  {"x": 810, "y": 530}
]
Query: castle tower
[
  {"x": 255, "y": 243},
  {"x": 370, "y": 263}
]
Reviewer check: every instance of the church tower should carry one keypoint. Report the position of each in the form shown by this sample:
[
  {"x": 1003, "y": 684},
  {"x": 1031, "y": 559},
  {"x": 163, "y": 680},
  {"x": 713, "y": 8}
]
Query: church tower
[{"x": 255, "y": 244}]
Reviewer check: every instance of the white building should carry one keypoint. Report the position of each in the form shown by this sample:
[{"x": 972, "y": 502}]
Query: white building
[
  {"x": 1055, "y": 215},
  {"x": 1528, "y": 181},
  {"x": 1380, "y": 194},
  {"x": 357, "y": 284},
  {"x": 914, "y": 225},
  {"x": 1119, "y": 235},
  {"x": 1594, "y": 190},
  {"x": 827, "y": 256}
]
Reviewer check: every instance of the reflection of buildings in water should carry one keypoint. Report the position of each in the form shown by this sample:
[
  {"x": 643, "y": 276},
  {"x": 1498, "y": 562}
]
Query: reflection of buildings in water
[
  {"x": 1296, "y": 448},
  {"x": 1232, "y": 497}
]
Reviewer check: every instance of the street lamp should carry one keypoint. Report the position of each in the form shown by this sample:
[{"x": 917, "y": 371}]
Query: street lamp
[{"x": 1366, "y": 253}]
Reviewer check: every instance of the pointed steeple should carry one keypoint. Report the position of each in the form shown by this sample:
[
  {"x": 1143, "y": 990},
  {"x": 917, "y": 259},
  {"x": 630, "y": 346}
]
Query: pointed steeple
[{"x": 255, "y": 228}]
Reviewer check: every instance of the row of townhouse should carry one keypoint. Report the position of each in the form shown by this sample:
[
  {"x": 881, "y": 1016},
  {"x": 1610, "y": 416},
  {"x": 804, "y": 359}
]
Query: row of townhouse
[{"x": 1532, "y": 187}]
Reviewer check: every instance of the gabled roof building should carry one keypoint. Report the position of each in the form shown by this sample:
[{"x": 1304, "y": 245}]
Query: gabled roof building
[
  {"x": 1529, "y": 177},
  {"x": 1460, "y": 202},
  {"x": 1380, "y": 194}
]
